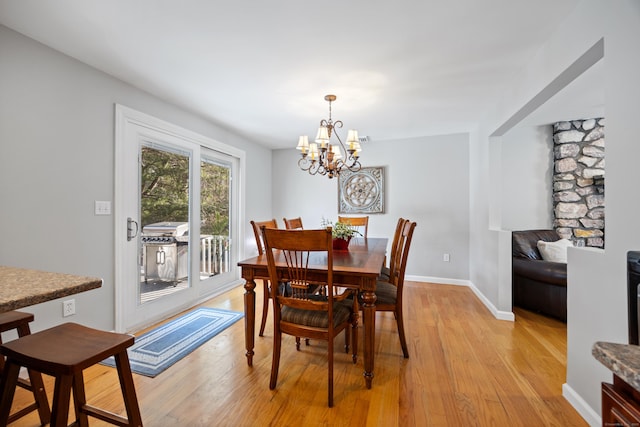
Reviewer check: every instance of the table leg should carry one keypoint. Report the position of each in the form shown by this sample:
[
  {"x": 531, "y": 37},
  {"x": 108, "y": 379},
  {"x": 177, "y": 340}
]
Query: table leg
[
  {"x": 369, "y": 309},
  {"x": 249, "y": 318}
]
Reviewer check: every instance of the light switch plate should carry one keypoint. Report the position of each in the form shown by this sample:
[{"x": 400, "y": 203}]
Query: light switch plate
[{"x": 102, "y": 207}]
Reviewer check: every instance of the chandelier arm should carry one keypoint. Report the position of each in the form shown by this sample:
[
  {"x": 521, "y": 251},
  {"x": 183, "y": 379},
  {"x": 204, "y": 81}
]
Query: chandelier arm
[
  {"x": 344, "y": 148},
  {"x": 313, "y": 169},
  {"x": 355, "y": 167},
  {"x": 322, "y": 169},
  {"x": 303, "y": 162}
]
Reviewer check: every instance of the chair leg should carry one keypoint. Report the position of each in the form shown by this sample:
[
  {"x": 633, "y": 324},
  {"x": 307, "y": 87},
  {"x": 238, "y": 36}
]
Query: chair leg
[
  {"x": 275, "y": 361},
  {"x": 128, "y": 389},
  {"x": 403, "y": 340},
  {"x": 265, "y": 306},
  {"x": 306, "y": 341},
  {"x": 34, "y": 384},
  {"x": 40, "y": 395},
  {"x": 79, "y": 400},
  {"x": 8, "y": 388},
  {"x": 354, "y": 340},
  {"x": 61, "y": 399},
  {"x": 346, "y": 340},
  {"x": 330, "y": 379}
]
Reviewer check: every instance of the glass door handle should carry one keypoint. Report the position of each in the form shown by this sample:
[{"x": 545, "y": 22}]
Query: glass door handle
[{"x": 132, "y": 229}]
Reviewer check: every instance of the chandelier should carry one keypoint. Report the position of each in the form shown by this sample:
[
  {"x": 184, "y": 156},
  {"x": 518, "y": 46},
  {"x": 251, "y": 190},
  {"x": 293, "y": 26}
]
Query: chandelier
[{"x": 324, "y": 158}]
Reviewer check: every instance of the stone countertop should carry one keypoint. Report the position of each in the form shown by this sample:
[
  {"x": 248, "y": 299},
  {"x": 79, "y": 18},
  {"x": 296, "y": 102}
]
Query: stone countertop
[
  {"x": 21, "y": 287},
  {"x": 622, "y": 359}
]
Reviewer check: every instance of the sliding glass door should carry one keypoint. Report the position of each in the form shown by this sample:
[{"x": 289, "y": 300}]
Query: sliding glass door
[{"x": 175, "y": 229}]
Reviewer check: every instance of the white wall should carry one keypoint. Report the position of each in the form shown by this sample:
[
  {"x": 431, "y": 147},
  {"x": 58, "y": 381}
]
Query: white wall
[
  {"x": 596, "y": 278},
  {"x": 426, "y": 180},
  {"x": 527, "y": 174},
  {"x": 597, "y": 301},
  {"x": 57, "y": 158}
]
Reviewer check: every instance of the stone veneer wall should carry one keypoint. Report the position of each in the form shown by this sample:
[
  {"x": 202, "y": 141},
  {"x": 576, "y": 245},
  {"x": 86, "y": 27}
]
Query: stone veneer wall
[{"x": 578, "y": 181}]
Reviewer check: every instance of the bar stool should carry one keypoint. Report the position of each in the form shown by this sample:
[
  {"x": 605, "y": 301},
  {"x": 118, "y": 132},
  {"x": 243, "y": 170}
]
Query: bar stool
[
  {"x": 63, "y": 352},
  {"x": 19, "y": 321}
]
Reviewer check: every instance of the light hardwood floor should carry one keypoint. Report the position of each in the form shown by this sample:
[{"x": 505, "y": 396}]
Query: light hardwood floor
[{"x": 465, "y": 369}]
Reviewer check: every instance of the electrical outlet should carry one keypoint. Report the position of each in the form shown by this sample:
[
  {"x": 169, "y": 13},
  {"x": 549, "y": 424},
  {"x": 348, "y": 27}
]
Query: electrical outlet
[
  {"x": 68, "y": 308},
  {"x": 445, "y": 257}
]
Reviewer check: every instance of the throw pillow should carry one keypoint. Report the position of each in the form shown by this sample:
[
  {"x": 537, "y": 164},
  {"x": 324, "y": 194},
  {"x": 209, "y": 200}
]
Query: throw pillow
[{"x": 554, "y": 251}]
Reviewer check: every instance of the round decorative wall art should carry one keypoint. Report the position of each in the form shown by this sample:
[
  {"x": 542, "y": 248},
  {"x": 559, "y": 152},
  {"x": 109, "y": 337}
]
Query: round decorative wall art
[{"x": 361, "y": 191}]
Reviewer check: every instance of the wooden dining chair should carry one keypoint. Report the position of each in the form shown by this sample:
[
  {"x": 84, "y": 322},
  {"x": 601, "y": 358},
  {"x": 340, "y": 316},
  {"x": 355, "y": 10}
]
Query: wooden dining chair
[
  {"x": 389, "y": 292},
  {"x": 298, "y": 309},
  {"x": 386, "y": 272},
  {"x": 360, "y": 223},
  {"x": 257, "y": 232},
  {"x": 293, "y": 223}
]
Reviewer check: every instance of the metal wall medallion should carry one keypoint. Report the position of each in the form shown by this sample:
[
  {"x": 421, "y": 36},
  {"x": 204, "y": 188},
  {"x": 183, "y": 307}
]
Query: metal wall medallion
[{"x": 361, "y": 191}]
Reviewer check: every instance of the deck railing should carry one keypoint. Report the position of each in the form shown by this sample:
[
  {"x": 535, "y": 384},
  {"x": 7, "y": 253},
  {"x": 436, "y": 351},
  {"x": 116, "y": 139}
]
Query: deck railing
[{"x": 214, "y": 255}]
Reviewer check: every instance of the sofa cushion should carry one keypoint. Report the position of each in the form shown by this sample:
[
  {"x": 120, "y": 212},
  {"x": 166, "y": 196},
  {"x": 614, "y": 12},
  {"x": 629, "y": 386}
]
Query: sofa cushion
[
  {"x": 552, "y": 273},
  {"x": 554, "y": 251},
  {"x": 524, "y": 244}
]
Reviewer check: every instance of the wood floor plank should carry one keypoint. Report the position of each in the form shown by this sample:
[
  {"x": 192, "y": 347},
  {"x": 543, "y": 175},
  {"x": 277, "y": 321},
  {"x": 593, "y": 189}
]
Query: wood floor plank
[{"x": 465, "y": 368}]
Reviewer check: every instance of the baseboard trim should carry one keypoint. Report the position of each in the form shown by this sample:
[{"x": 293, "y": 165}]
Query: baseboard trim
[
  {"x": 579, "y": 404},
  {"x": 498, "y": 314},
  {"x": 437, "y": 280}
]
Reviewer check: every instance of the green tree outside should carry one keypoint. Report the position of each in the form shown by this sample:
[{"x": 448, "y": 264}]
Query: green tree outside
[{"x": 164, "y": 191}]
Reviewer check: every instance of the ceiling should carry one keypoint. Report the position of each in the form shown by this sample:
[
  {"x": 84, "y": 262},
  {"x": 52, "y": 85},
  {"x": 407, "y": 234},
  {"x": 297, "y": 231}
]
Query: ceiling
[{"x": 400, "y": 69}]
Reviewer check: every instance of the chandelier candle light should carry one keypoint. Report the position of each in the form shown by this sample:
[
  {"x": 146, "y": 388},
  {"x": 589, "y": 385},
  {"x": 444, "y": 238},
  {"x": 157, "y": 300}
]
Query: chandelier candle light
[{"x": 324, "y": 158}]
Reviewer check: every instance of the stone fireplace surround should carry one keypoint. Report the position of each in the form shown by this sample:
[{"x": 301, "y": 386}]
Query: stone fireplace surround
[{"x": 578, "y": 181}]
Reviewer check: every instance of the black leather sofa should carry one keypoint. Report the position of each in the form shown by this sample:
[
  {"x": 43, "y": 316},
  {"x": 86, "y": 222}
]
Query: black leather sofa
[{"x": 538, "y": 285}]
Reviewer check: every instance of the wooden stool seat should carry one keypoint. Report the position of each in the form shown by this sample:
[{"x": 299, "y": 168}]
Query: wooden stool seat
[
  {"x": 19, "y": 321},
  {"x": 10, "y": 320},
  {"x": 63, "y": 352}
]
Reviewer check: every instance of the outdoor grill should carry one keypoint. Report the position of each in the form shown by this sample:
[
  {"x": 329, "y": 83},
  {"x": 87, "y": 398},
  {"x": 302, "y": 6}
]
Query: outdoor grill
[{"x": 165, "y": 251}]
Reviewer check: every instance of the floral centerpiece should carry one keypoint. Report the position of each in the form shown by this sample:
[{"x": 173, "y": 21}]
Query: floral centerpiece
[{"x": 341, "y": 233}]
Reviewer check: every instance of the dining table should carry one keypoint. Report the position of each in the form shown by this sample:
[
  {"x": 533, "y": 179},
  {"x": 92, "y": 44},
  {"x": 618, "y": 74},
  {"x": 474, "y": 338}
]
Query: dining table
[
  {"x": 358, "y": 268},
  {"x": 23, "y": 287}
]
